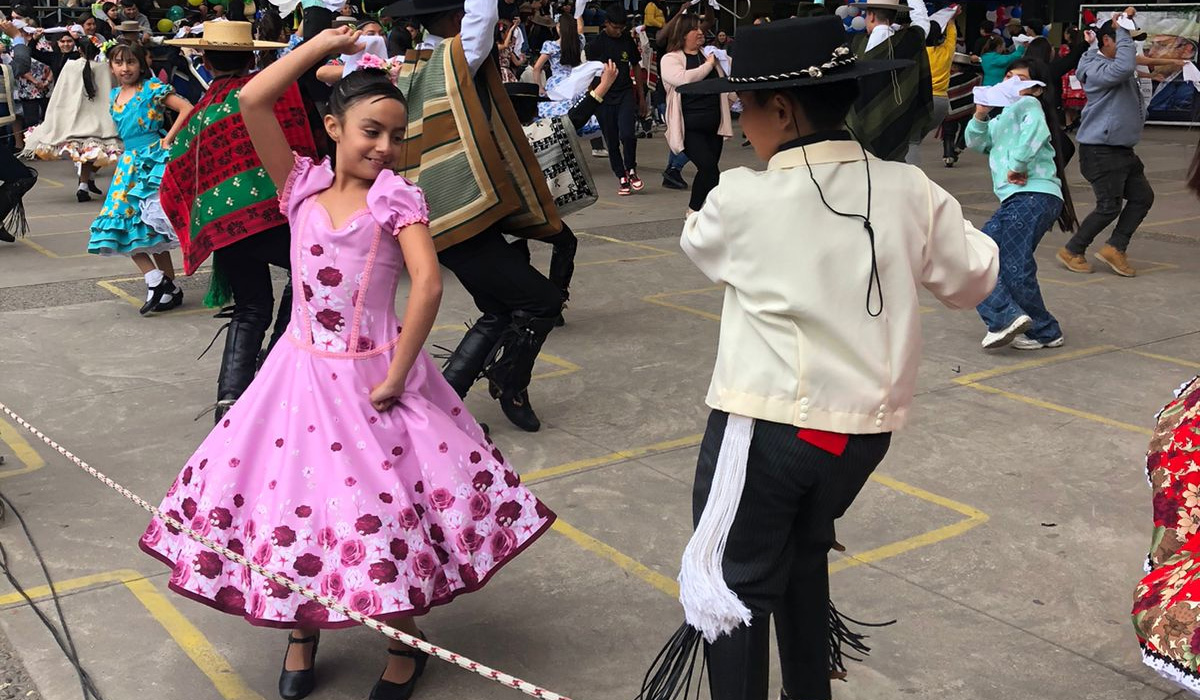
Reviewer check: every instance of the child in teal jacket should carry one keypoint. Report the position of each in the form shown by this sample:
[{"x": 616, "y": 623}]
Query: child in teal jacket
[{"x": 1025, "y": 152}]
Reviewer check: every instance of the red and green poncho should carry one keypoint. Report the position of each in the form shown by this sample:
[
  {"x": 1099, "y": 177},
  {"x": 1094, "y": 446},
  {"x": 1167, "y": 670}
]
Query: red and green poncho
[{"x": 215, "y": 190}]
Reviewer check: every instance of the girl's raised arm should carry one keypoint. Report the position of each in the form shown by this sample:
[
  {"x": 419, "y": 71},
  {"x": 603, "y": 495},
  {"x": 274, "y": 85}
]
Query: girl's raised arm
[{"x": 258, "y": 98}]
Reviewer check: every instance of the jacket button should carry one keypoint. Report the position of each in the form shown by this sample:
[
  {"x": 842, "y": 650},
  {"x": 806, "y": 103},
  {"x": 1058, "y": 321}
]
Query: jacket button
[
  {"x": 803, "y": 416},
  {"x": 878, "y": 423},
  {"x": 804, "y": 401}
]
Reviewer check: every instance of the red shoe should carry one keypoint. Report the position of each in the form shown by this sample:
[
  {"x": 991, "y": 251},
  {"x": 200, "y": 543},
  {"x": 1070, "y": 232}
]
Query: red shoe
[
  {"x": 635, "y": 182},
  {"x": 624, "y": 189}
]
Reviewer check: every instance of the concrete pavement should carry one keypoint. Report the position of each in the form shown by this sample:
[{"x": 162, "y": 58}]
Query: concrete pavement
[{"x": 1005, "y": 531}]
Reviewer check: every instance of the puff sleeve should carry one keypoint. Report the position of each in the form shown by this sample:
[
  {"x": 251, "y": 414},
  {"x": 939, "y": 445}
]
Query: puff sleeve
[{"x": 396, "y": 203}]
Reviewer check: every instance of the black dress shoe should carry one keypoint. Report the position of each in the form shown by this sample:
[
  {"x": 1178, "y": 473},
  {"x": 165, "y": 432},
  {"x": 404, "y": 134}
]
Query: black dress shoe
[
  {"x": 6, "y": 236},
  {"x": 174, "y": 302},
  {"x": 294, "y": 685},
  {"x": 93, "y": 189},
  {"x": 83, "y": 196},
  {"x": 157, "y": 292},
  {"x": 517, "y": 410},
  {"x": 387, "y": 690}
]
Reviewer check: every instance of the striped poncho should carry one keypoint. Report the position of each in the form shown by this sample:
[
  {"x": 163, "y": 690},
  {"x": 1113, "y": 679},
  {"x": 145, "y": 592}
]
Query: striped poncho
[
  {"x": 215, "y": 190},
  {"x": 893, "y": 107}
]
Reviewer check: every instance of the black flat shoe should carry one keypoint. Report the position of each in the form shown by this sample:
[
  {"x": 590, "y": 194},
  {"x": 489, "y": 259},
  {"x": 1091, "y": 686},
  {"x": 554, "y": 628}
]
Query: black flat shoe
[
  {"x": 175, "y": 301},
  {"x": 387, "y": 690},
  {"x": 156, "y": 293},
  {"x": 93, "y": 189},
  {"x": 294, "y": 685},
  {"x": 83, "y": 196}
]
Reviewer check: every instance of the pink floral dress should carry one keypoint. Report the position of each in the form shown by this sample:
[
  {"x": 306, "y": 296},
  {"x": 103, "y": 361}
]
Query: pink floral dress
[{"x": 390, "y": 513}]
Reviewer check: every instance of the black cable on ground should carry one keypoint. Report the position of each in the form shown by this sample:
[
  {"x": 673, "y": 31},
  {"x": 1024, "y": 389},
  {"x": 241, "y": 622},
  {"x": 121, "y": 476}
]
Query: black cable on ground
[{"x": 63, "y": 637}]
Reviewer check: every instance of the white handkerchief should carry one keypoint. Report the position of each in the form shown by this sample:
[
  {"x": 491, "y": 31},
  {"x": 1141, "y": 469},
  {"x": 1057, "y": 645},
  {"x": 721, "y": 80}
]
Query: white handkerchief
[
  {"x": 576, "y": 83},
  {"x": 1127, "y": 23},
  {"x": 721, "y": 54},
  {"x": 1022, "y": 39},
  {"x": 375, "y": 45},
  {"x": 1004, "y": 94}
]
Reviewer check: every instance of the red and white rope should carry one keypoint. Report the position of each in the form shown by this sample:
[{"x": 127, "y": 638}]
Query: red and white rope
[{"x": 387, "y": 631}]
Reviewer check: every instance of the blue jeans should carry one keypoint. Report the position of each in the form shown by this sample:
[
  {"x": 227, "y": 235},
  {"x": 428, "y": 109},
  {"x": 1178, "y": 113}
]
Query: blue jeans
[
  {"x": 1017, "y": 227},
  {"x": 676, "y": 160}
]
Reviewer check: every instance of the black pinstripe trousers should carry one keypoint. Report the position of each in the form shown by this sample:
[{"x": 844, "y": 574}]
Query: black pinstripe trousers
[{"x": 776, "y": 559}]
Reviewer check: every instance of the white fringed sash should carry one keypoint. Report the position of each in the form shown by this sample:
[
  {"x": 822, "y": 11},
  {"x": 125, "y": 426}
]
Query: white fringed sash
[{"x": 708, "y": 603}]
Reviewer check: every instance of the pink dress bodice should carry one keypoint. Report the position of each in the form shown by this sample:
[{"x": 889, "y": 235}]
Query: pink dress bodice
[{"x": 344, "y": 280}]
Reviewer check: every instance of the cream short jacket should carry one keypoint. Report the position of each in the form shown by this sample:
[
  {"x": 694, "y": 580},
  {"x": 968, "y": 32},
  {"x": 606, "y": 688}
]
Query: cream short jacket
[{"x": 797, "y": 345}]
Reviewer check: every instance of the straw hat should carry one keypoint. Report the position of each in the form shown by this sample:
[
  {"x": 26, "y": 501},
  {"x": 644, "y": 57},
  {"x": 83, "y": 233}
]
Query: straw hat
[
  {"x": 226, "y": 36},
  {"x": 128, "y": 27}
]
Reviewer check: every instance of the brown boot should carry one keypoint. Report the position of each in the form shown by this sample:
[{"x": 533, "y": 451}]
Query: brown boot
[
  {"x": 1116, "y": 260},
  {"x": 1073, "y": 261}
]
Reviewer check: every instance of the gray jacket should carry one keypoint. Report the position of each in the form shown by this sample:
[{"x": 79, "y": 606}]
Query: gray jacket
[{"x": 1113, "y": 114}]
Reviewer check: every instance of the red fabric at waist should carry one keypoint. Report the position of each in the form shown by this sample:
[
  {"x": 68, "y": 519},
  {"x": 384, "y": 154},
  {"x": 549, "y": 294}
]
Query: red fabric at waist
[{"x": 833, "y": 443}]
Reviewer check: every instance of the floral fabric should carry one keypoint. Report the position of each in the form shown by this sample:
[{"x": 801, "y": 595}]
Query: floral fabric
[
  {"x": 390, "y": 513},
  {"x": 122, "y": 228},
  {"x": 1166, "y": 610},
  {"x": 30, "y": 89}
]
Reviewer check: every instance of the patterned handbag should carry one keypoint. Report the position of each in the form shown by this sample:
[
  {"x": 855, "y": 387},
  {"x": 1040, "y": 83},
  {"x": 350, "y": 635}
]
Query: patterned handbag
[{"x": 562, "y": 161}]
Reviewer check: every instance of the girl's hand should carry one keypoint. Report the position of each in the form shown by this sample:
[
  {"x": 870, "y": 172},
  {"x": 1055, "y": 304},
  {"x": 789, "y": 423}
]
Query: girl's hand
[
  {"x": 341, "y": 40},
  {"x": 1019, "y": 179},
  {"x": 981, "y": 112},
  {"x": 166, "y": 142},
  {"x": 386, "y": 395}
]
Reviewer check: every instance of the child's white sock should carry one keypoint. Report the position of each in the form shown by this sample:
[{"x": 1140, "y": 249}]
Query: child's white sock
[
  {"x": 153, "y": 279},
  {"x": 83, "y": 187}
]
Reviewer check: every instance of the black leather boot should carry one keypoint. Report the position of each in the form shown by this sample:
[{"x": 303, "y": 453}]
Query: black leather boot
[
  {"x": 239, "y": 361},
  {"x": 738, "y": 663},
  {"x": 467, "y": 361},
  {"x": 673, "y": 179},
  {"x": 283, "y": 316},
  {"x": 562, "y": 266},
  {"x": 511, "y": 367}
]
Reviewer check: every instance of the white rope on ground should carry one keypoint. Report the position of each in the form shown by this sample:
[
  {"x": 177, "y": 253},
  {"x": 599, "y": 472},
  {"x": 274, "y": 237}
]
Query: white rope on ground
[{"x": 387, "y": 631}]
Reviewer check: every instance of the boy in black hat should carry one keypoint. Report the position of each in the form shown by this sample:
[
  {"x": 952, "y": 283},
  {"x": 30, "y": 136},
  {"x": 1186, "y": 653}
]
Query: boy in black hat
[
  {"x": 625, "y": 101},
  {"x": 817, "y": 362}
]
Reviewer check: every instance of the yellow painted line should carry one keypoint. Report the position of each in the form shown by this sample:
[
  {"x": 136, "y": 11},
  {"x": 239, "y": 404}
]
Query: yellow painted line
[
  {"x": 193, "y": 642},
  {"x": 111, "y": 287},
  {"x": 1100, "y": 277},
  {"x": 49, "y": 181},
  {"x": 41, "y": 249},
  {"x": 611, "y": 458},
  {"x": 974, "y": 518},
  {"x": 21, "y": 449},
  {"x": 1166, "y": 358},
  {"x": 1169, "y": 222},
  {"x": 1033, "y": 364},
  {"x": 631, "y": 244},
  {"x": 1096, "y": 418},
  {"x": 565, "y": 366},
  {"x": 73, "y": 232},
  {"x": 635, "y": 258},
  {"x": 663, "y": 583},
  {"x": 661, "y": 300},
  {"x": 62, "y": 216}
]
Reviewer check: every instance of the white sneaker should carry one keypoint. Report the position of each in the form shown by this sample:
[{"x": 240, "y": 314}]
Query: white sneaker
[
  {"x": 599, "y": 152},
  {"x": 999, "y": 339},
  {"x": 1026, "y": 343}
]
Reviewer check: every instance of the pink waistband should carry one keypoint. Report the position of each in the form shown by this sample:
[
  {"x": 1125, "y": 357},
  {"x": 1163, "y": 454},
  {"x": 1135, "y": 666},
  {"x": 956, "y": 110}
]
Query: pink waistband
[{"x": 312, "y": 349}]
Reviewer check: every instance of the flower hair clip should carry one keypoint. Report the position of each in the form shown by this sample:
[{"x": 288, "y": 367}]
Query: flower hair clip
[
  {"x": 104, "y": 48},
  {"x": 391, "y": 66}
]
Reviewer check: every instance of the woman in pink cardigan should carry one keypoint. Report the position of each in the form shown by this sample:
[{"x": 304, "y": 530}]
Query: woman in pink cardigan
[{"x": 696, "y": 124}]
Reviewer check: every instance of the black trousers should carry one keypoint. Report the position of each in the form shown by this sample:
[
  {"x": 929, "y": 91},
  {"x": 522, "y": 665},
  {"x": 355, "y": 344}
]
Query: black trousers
[
  {"x": 776, "y": 558},
  {"x": 618, "y": 122},
  {"x": 500, "y": 278},
  {"x": 1115, "y": 173},
  {"x": 703, "y": 145},
  {"x": 247, "y": 266}
]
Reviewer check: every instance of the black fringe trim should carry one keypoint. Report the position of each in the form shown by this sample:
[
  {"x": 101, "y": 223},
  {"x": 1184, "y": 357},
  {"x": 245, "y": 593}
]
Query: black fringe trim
[
  {"x": 671, "y": 674},
  {"x": 840, "y": 634}
]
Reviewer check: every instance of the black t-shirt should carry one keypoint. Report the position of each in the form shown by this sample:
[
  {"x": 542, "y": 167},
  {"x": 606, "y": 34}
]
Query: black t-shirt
[
  {"x": 697, "y": 107},
  {"x": 623, "y": 52}
]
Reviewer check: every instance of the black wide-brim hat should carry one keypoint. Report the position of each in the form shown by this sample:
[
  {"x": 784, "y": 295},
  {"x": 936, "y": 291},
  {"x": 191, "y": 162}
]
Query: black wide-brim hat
[
  {"x": 795, "y": 52},
  {"x": 418, "y": 8},
  {"x": 525, "y": 91}
]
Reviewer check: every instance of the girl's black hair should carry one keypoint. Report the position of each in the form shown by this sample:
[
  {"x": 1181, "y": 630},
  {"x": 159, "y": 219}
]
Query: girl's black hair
[
  {"x": 568, "y": 39},
  {"x": 366, "y": 84},
  {"x": 1063, "y": 148},
  {"x": 136, "y": 52},
  {"x": 270, "y": 28},
  {"x": 1039, "y": 50},
  {"x": 89, "y": 52},
  {"x": 399, "y": 41}
]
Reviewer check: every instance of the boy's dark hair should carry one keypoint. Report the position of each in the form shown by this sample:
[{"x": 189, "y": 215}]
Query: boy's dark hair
[
  {"x": 825, "y": 106},
  {"x": 987, "y": 26},
  {"x": 882, "y": 15},
  {"x": 229, "y": 61},
  {"x": 366, "y": 84},
  {"x": 128, "y": 3}
]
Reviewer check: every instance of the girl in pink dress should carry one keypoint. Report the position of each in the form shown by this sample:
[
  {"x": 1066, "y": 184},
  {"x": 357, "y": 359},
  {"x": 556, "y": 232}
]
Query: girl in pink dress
[{"x": 349, "y": 466}]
